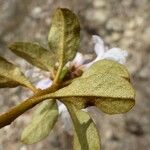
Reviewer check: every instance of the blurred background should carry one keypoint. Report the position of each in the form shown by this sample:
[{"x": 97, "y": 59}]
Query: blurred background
[{"x": 121, "y": 23}]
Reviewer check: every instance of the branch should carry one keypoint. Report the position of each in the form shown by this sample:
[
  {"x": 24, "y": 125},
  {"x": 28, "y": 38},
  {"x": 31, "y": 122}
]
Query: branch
[{"x": 13, "y": 113}]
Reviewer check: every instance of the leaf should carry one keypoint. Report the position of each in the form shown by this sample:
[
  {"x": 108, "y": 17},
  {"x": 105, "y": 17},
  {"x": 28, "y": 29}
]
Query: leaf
[
  {"x": 109, "y": 67},
  {"x": 4, "y": 83},
  {"x": 13, "y": 74},
  {"x": 85, "y": 133},
  {"x": 78, "y": 102},
  {"x": 114, "y": 106},
  {"x": 101, "y": 88},
  {"x": 64, "y": 35},
  {"x": 98, "y": 85},
  {"x": 42, "y": 123},
  {"x": 103, "y": 67},
  {"x": 34, "y": 54}
]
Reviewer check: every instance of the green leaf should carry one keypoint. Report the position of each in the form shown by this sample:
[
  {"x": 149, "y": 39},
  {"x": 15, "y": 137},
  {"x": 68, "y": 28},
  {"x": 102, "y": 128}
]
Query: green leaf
[
  {"x": 13, "y": 74},
  {"x": 78, "y": 102},
  {"x": 34, "y": 54},
  {"x": 101, "y": 88},
  {"x": 85, "y": 133},
  {"x": 64, "y": 35},
  {"x": 4, "y": 83},
  {"x": 98, "y": 85},
  {"x": 42, "y": 123},
  {"x": 109, "y": 67},
  {"x": 114, "y": 106}
]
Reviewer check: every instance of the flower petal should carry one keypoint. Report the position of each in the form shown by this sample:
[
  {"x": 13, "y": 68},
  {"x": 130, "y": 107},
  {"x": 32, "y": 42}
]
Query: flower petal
[
  {"x": 78, "y": 60},
  {"x": 99, "y": 47},
  {"x": 43, "y": 84},
  {"x": 116, "y": 54}
]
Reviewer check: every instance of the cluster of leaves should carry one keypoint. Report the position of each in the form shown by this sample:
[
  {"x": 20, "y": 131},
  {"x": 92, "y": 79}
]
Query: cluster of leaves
[{"x": 106, "y": 85}]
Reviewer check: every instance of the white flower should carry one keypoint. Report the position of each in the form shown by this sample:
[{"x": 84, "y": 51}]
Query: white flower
[
  {"x": 116, "y": 54},
  {"x": 43, "y": 84},
  {"x": 77, "y": 61},
  {"x": 103, "y": 52}
]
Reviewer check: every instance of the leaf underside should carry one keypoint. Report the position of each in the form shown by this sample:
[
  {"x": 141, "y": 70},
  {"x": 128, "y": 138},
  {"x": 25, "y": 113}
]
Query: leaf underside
[
  {"x": 64, "y": 35},
  {"x": 109, "y": 67},
  {"x": 42, "y": 123},
  {"x": 99, "y": 85},
  {"x": 34, "y": 54},
  {"x": 9, "y": 73},
  {"x": 86, "y": 136}
]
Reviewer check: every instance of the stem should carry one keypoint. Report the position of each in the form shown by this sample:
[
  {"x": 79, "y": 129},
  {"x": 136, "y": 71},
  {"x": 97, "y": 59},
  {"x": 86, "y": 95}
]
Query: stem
[
  {"x": 33, "y": 89},
  {"x": 13, "y": 113},
  {"x": 57, "y": 80}
]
